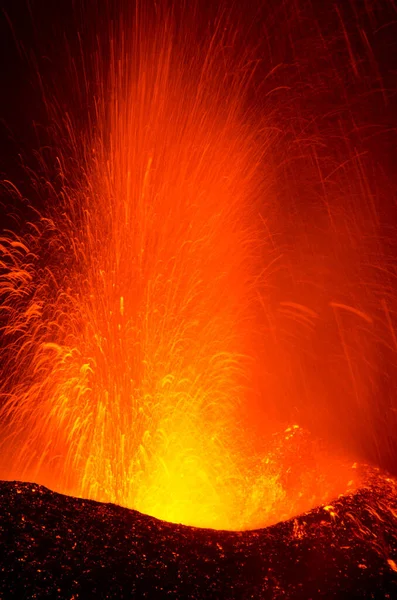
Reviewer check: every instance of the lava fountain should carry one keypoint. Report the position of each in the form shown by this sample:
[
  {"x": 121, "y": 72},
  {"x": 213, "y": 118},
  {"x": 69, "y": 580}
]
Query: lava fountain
[
  {"x": 129, "y": 303},
  {"x": 134, "y": 310}
]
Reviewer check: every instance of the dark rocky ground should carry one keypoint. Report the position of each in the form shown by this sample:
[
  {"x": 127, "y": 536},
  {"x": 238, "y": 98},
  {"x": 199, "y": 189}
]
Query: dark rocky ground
[{"x": 55, "y": 546}]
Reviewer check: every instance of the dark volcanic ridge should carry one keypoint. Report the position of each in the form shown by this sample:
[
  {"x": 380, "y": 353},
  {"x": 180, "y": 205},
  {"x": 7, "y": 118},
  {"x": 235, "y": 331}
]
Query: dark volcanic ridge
[{"x": 62, "y": 547}]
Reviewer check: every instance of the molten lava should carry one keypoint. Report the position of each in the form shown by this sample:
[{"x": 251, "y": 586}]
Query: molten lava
[{"x": 133, "y": 304}]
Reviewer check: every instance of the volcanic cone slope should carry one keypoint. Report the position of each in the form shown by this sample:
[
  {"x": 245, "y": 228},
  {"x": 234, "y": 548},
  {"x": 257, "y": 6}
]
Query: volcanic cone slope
[{"x": 64, "y": 547}]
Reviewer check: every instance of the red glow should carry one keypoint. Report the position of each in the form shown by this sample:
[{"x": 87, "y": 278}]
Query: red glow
[{"x": 140, "y": 323}]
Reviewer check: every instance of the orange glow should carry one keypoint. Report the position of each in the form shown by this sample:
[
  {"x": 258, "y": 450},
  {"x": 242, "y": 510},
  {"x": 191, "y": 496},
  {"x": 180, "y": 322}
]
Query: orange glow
[{"x": 139, "y": 334}]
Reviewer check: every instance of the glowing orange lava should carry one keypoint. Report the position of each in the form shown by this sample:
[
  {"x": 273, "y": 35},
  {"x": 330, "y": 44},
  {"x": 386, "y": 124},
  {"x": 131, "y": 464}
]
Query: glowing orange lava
[{"x": 132, "y": 312}]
